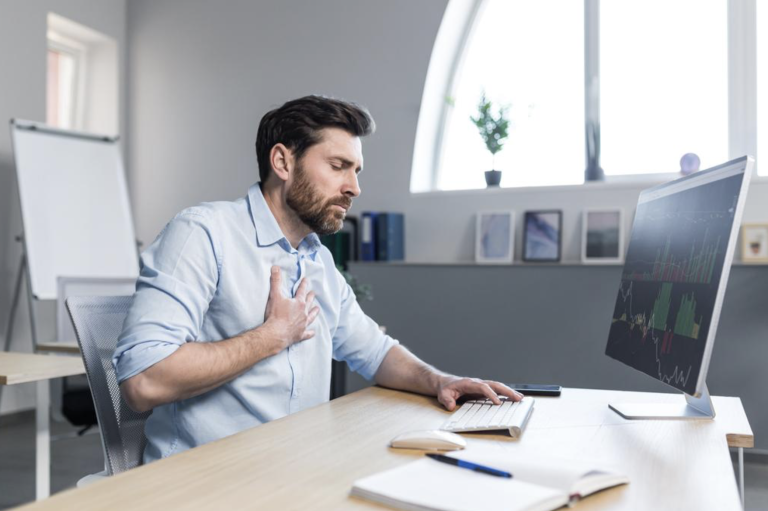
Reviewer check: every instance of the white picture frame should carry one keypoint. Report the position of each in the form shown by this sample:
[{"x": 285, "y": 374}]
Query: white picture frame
[
  {"x": 605, "y": 224},
  {"x": 495, "y": 237},
  {"x": 754, "y": 243}
]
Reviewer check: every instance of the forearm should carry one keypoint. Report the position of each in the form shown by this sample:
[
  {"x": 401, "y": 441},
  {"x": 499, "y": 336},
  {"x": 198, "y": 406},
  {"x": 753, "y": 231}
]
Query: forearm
[
  {"x": 402, "y": 370},
  {"x": 197, "y": 367}
]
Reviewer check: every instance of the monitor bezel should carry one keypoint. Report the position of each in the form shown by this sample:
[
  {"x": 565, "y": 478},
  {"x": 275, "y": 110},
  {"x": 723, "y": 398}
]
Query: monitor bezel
[{"x": 745, "y": 166}]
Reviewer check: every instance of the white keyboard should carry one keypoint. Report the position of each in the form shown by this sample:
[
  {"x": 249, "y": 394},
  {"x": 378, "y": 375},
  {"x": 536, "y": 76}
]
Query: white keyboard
[{"x": 483, "y": 415}]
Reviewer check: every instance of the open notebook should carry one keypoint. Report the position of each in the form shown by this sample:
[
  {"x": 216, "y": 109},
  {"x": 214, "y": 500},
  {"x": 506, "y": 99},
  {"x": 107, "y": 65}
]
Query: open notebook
[{"x": 539, "y": 484}]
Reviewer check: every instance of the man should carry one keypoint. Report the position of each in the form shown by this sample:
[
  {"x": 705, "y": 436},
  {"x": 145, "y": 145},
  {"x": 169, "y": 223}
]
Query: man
[{"x": 239, "y": 309}]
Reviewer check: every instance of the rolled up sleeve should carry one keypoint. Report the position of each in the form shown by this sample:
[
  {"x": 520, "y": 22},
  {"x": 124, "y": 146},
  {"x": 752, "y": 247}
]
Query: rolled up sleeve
[
  {"x": 178, "y": 278},
  {"x": 358, "y": 340}
]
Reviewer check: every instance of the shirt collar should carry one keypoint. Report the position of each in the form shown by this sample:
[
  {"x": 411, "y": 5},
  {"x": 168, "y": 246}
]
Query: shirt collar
[{"x": 268, "y": 231}]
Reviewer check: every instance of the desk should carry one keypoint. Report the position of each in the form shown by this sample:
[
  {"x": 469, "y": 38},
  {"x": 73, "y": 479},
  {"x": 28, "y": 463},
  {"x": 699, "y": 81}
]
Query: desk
[
  {"x": 58, "y": 347},
  {"x": 18, "y": 368},
  {"x": 310, "y": 459}
]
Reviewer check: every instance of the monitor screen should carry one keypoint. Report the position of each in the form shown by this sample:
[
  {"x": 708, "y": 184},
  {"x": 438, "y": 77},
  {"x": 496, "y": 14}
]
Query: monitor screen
[{"x": 675, "y": 273}]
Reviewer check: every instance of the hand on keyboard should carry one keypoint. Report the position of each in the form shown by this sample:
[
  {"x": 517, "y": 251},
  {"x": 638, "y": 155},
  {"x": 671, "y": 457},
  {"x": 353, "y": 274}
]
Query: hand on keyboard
[
  {"x": 482, "y": 415},
  {"x": 451, "y": 388}
]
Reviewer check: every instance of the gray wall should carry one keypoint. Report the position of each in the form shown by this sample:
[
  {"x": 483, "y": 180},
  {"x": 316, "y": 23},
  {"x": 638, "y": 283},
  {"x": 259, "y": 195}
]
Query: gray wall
[
  {"x": 23, "y": 47},
  {"x": 203, "y": 75},
  {"x": 549, "y": 324}
]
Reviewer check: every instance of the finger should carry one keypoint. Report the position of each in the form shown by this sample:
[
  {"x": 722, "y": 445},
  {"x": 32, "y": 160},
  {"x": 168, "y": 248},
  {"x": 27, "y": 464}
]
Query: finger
[
  {"x": 312, "y": 315},
  {"x": 307, "y": 335},
  {"x": 448, "y": 402},
  {"x": 301, "y": 292},
  {"x": 484, "y": 389},
  {"x": 310, "y": 299},
  {"x": 274, "y": 283},
  {"x": 503, "y": 390}
]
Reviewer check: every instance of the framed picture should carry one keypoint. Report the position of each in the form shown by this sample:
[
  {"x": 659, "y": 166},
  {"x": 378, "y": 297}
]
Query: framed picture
[
  {"x": 542, "y": 232},
  {"x": 602, "y": 237},
  {"x": 495, "y": 237},
  {"x": 754, "y": 243}
]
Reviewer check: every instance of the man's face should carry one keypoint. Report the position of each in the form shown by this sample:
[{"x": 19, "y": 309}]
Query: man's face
[{"x": 324, "y": 181}]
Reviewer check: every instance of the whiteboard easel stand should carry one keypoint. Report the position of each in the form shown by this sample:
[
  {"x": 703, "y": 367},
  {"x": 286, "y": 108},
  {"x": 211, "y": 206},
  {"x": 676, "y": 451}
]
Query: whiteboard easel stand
[{"x": 22, "y": 272}]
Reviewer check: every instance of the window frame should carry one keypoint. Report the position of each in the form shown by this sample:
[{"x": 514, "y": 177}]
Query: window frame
[
  {"x": 79, "y": 52},
  {"x": 742, "y": 89}
]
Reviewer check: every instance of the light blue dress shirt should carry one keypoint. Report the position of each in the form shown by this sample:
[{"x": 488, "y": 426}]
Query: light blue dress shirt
[{"x": 206, "y": 278}]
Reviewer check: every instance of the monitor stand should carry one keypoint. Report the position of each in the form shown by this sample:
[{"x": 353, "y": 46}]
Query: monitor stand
[{"x": 694, "y": 408}]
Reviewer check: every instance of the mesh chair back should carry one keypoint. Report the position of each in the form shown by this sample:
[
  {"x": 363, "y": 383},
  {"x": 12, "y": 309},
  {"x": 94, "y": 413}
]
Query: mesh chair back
[{"x": 98, "y": 321}]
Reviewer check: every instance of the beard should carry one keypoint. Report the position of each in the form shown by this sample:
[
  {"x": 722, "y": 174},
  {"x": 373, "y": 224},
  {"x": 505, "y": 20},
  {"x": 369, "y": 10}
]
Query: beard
[{"x": 316, "y": 213}]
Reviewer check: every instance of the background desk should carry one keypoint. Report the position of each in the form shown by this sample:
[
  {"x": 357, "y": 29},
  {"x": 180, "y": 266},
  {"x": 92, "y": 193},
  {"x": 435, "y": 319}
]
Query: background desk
[
  {"x": 18, "y": 368},
  {"x": 310, "y": 459}
]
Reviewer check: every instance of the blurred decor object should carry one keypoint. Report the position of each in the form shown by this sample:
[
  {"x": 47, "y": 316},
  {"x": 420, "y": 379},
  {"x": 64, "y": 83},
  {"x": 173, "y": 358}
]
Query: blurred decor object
[
  {"x": 754, "y": 243},
  {"x": 689, "y": 164}
]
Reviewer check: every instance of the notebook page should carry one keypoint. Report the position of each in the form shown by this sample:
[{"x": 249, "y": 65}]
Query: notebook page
[
  {"x": 562, "y": 474},
  {"x": 430, "y": 485}
]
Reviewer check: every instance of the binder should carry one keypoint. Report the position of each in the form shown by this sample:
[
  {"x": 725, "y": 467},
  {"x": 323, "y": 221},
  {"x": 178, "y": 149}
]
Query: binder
[
  {"x": 339, "y": 246},
  {"x": 390, "y": 237},
  {"x": 368, "y": 237}
]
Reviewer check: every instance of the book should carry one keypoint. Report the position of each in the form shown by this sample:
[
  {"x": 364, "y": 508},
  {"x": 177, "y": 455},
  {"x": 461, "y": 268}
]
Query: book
[
  {"x": 368, "y": 237},
  {"x": 390, "y": 234},
  {"x": 340, "y": 246},
  {"x": 538, "y": 484}
]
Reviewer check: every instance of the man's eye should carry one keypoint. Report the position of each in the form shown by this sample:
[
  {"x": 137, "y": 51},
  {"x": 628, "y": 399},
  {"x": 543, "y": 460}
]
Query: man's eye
[{"x": 335, "y": 167}]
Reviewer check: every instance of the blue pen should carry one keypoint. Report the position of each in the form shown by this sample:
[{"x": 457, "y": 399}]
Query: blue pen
[{"x": 469, "y": 465}]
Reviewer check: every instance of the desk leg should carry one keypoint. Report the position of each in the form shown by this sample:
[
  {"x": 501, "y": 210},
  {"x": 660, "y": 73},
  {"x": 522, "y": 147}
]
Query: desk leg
[
  {"x": 43, "y": 441},
  {"x": 741, "y": 475}
]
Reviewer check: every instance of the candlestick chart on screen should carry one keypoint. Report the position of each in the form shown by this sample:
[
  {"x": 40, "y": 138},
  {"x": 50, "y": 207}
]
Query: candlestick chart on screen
[{"x": 669, "y": 285}]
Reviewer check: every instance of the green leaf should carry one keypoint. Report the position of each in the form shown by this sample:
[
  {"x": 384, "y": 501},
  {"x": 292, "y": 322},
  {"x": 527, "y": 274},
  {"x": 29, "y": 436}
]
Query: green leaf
[{"x": 494, "y": 130}]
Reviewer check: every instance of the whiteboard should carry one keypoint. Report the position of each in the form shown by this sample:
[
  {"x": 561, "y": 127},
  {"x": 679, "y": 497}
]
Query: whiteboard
[{"x": 74, "y": 206}]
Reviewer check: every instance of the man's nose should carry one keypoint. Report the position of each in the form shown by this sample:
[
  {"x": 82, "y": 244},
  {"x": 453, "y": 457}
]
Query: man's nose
[{"x": 351, "y": 186}]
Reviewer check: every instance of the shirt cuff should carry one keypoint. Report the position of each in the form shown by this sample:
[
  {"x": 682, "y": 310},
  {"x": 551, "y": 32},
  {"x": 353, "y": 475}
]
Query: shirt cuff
[
  {"x": 369, "y": 370},
  {"x": 140, "y": 358}
]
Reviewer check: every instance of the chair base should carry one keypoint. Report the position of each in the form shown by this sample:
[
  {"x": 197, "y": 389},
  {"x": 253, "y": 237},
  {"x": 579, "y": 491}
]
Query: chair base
[{"x": 92, "y": 478}]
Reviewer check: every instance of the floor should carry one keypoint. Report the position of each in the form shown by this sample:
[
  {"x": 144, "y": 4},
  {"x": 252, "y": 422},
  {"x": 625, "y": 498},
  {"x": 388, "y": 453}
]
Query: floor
[
  {"x": 72, "y": 457},
  {"x": 75, "y": 457}
]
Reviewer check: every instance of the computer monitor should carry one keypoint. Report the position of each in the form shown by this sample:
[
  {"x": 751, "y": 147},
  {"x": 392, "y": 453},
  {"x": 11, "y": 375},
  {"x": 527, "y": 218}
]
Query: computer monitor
[{"x": 673, "y": 284}]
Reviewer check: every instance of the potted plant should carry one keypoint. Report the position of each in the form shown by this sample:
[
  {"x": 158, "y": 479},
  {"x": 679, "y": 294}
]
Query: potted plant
[
  {"x": 362, "y": 292},
  {"x": 494, "y": 130}
]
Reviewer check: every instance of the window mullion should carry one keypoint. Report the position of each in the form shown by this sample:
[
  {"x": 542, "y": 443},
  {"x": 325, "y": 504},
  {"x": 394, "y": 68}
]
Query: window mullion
[
  {"x": 742, "y": 78},
  {"x": 591, "y": 75}
]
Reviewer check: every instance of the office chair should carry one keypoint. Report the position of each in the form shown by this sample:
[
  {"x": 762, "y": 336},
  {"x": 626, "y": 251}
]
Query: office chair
[
  {"x": 71, "y": 397},
  {"x": 98, "y": 321}
]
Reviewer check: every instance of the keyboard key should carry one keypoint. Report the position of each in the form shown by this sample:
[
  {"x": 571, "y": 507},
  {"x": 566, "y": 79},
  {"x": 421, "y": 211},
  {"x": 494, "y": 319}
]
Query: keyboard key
[{"x": 483, "y": 415}]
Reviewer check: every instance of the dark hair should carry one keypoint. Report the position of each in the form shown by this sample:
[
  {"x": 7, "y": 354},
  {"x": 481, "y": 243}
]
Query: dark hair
[{"x": 297, "y": 125}]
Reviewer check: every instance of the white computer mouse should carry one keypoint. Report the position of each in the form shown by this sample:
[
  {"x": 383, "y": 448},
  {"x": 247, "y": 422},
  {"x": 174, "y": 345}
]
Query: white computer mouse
[{"x": 429, "y": 440}]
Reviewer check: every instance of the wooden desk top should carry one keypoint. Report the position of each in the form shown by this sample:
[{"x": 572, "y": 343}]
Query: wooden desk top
[
  {"x": 58, "y": 347},
  {"x": 309, "y": 460},
  {"x": 26, "y": 367}
]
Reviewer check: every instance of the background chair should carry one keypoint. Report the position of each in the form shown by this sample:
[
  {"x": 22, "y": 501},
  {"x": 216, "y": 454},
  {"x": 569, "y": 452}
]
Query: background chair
[
  {"x": 71, "y": 397},
  {"x": 98, "y": 321}
]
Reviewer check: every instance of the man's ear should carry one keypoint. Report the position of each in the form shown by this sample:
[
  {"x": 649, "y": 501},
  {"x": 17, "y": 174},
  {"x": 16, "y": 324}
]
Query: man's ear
[{"x": 281, "y": 159}]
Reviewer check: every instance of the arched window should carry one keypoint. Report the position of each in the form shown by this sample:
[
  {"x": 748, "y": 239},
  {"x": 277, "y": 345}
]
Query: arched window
[
  {"x": 529, "y": 58},
  {"x": 663, "y": 84},
  {"x": 656, "y": 79},
  {"x": 762, "y": 87}
]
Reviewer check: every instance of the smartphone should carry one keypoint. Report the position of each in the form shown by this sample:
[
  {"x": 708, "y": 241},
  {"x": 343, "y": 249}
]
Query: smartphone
[{"x": 532, "y": 389}]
